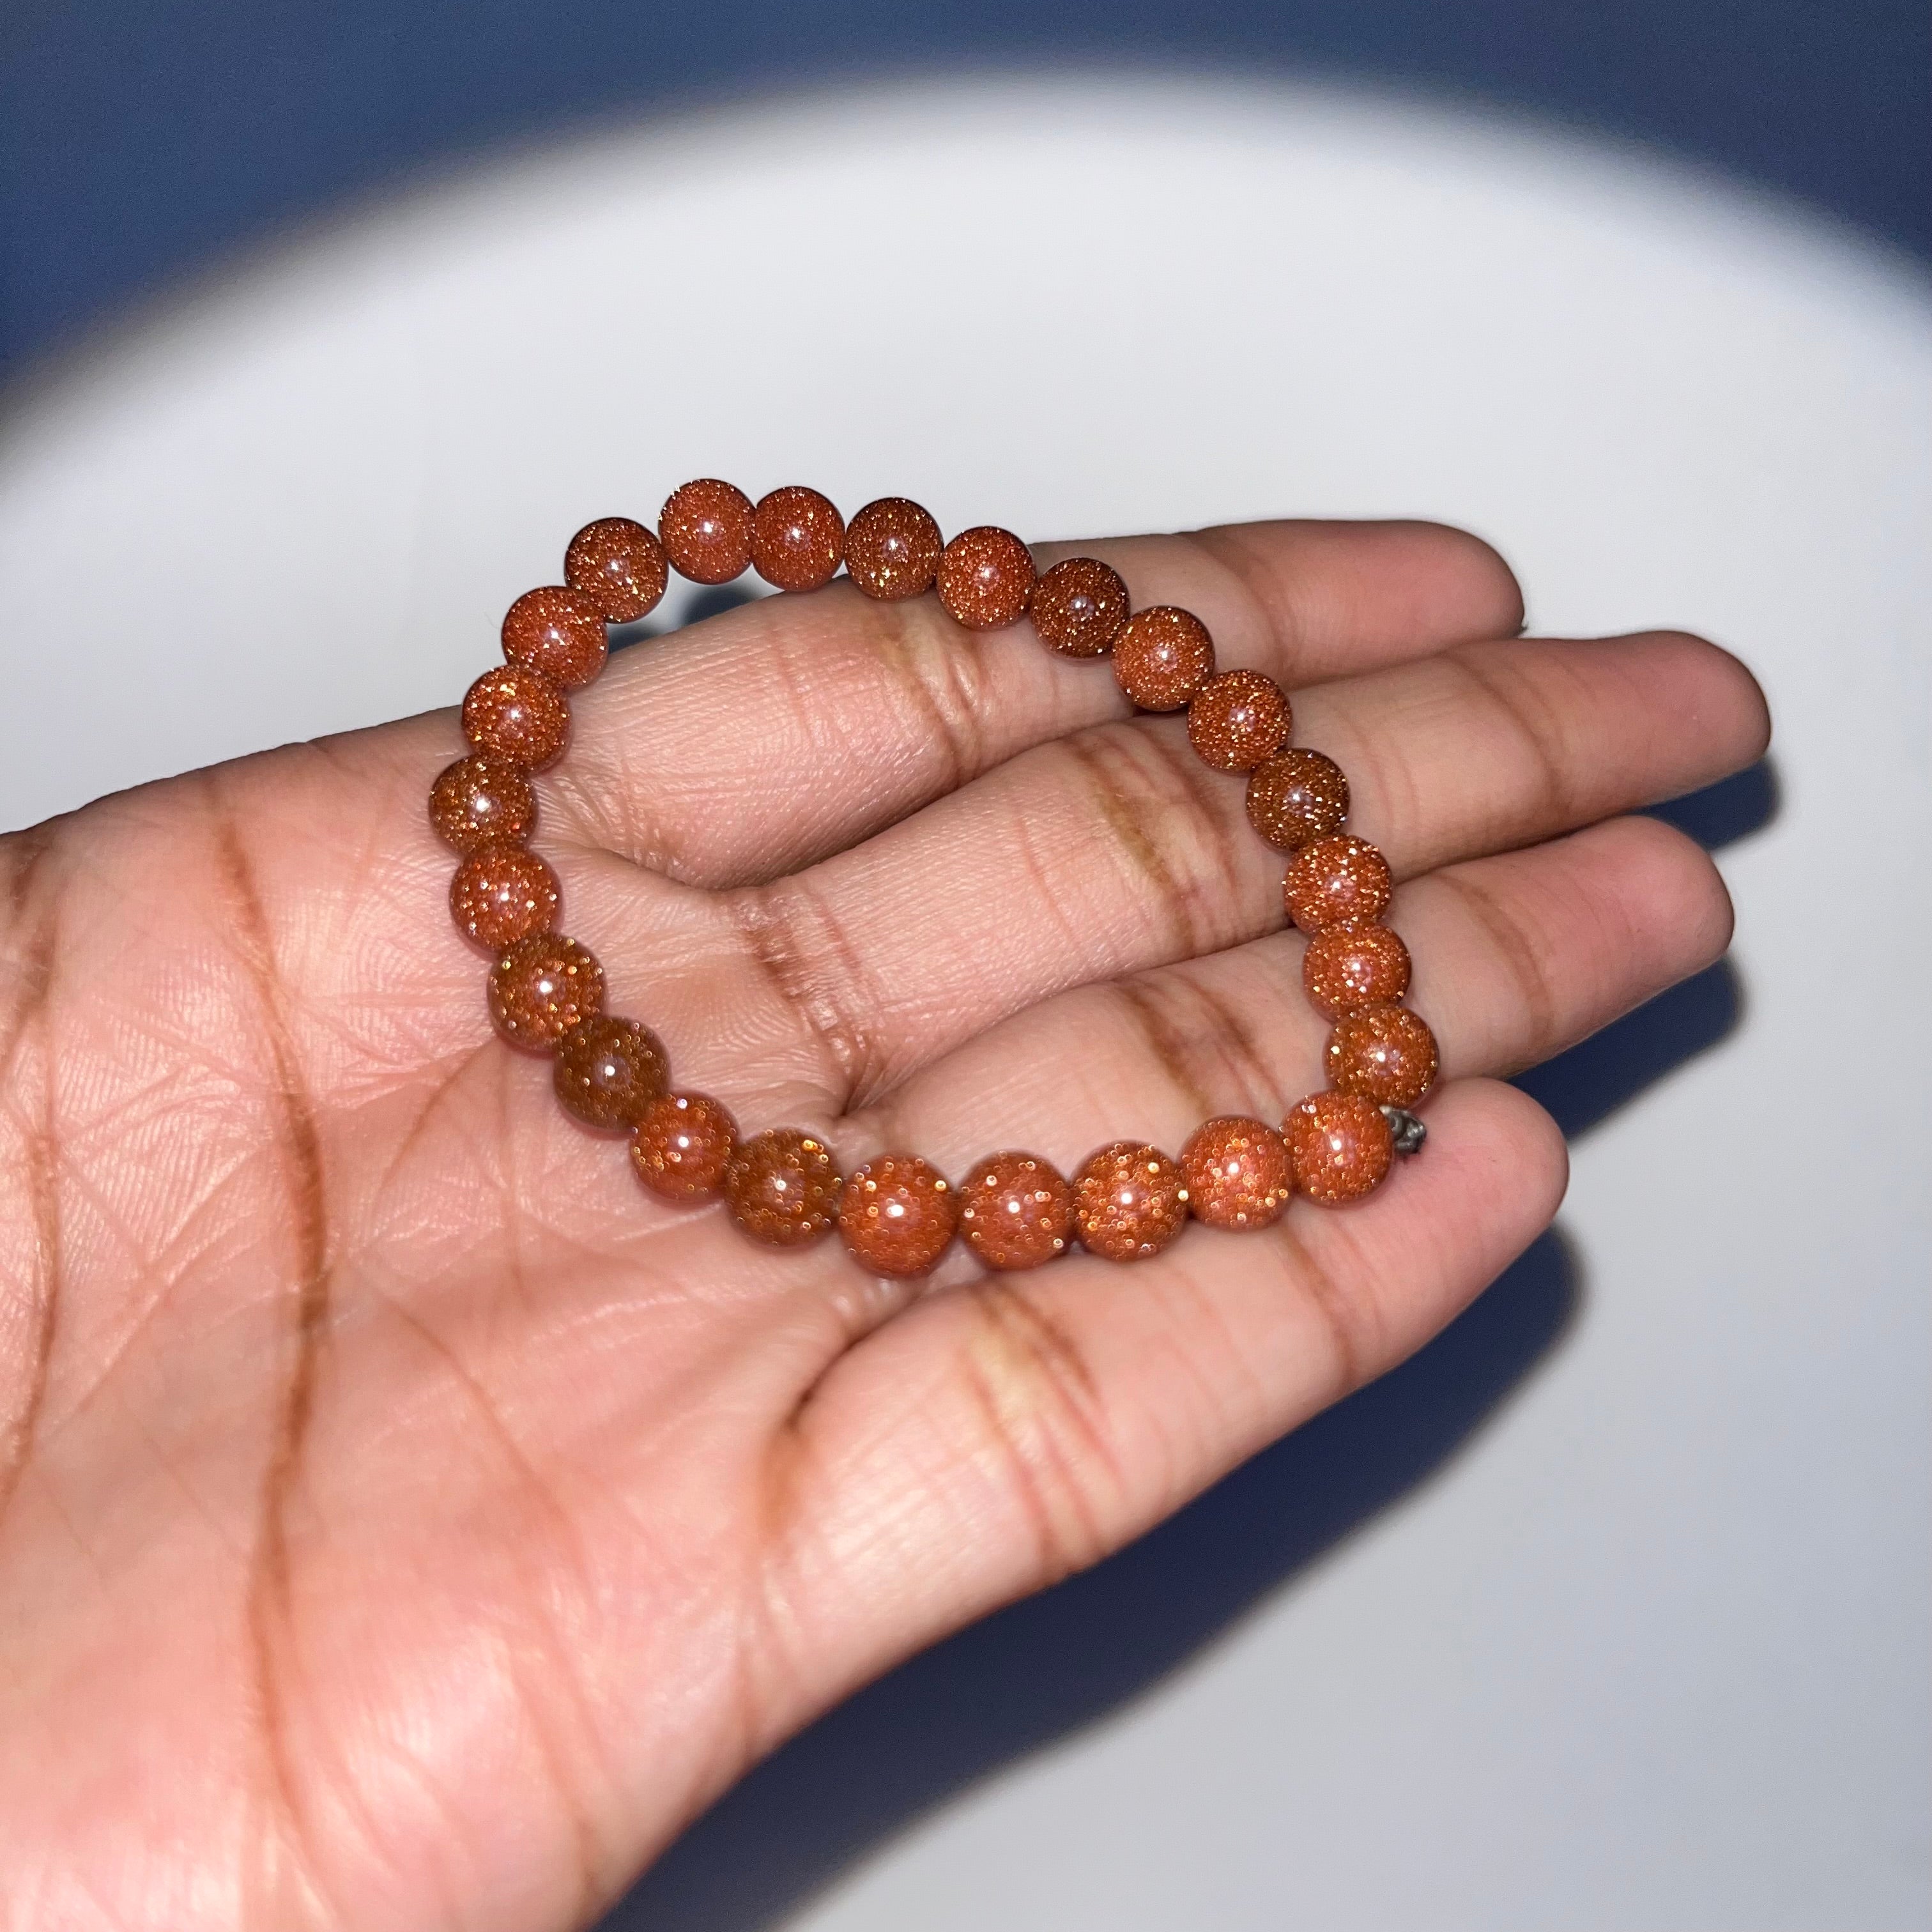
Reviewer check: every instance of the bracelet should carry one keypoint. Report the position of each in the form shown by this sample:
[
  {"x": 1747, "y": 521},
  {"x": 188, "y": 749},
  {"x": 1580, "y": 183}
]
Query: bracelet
[{"x": 897, "y": 1214}]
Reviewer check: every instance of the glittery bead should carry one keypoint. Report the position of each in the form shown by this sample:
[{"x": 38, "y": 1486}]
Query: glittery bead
[
  {"x": 683, "y": 1145},
  {"x": 1341, "y": 1146},
  {"x": 985, "y": 577},
  {"x": 1129, "y": 1201},
  {"x": 1237, "y": 1173},
  {"x": 1297, "y": 796},
  {"x": 542, "y": 987},
  {"x": 557, "y": 632},
  {"x": 481, "y": 801},
  {"x": 898, "y": 1215},
  {"x": 1384, "y": 1053},
  {"x": 1162, "y": 656},
  {"x": 1335, "y": 880},
  {"x": 609, "y": 1070},
  {"x": 1238, "y": 719},
  {"x": 706, "y": 529},
  {"x": 798, "y": 538},
  {"x": 1078, "y": 606},
  {"x": 619, "y": 565},
  {"x": 1015, "y": 1211},
  {"x": 517, "y": 715},
  {"x": 1347, "y": 968},
  {"x": 503, "y": 893},
  {"x": 891, "y": 549},
  {"x": 782, "y": 1187}
]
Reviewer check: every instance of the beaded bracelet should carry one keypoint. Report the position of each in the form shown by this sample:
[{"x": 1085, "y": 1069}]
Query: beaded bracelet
[{"x": 897, "y": 1214}]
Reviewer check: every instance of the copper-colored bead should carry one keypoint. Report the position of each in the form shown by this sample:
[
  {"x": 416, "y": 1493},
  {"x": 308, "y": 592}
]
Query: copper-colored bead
[
  {"x": 620, "y": 564},
  {"x": 986, "y": 577},
  {"x": 798, "y": 538},
  {"x": 706, "y": 529},
  {"x": 782, "y": 1187},
  {"x": 1384, "y": 1053},
  {"x": 609, "y": 1070},
  {"x": 503, "y": 893},
  {"x": 1162, "y": 655},
  {"x": 1335, "y": 880},
  {"x": 1237, "y": 720},
  {"x": 897, "y": 1214},
  {"x": 1015, "y": 1211},
  {"x": 1297, "y": 796},
  {"x": 519, "y": 715},
  {"x": 1341, "y": 1145},
  {"x": 557, "y": 632},
  {"x": 683, "y": 1145},
  {"x": 891, "y": 549},
  {"x": 1237, "y": 1173},
  {"x": 481, "y": 800},
  {"x": 1347, "y": 968},
  {"x": 542, "y": 987},
  {"x": 1078, "y": 606},
  {"x": 1129, "y": 1201}
]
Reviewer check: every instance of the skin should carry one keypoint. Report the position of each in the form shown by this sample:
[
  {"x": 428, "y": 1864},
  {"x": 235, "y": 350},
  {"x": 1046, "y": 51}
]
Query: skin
[{"x": 407, "y": 1523}]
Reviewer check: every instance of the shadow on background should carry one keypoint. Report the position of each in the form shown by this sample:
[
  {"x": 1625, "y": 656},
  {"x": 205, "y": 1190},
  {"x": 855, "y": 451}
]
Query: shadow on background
[{"x": 1054, "y": 1663}]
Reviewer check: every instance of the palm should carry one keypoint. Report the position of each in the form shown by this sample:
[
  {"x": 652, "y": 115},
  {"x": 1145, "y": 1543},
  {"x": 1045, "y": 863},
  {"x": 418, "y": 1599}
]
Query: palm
[{"x": 409, "y": 1522}]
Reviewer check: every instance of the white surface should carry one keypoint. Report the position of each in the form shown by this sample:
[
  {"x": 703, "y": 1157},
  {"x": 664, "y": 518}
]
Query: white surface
[{"x": 1652, "y": 1655}]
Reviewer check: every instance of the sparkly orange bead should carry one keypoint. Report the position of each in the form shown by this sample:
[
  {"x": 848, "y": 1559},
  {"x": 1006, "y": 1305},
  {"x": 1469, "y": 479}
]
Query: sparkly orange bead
[
  {"x": 798, "y": 538},
  {"x": 1237, "y": 720},
  {"x": 501, "y": 894},
  {"x": 620, "y": 565},
  {"x": 542, "y": 987},
  {"x": 1347, "y": 968},
  {"x": 985, "y": 577},
  {"x": 609, "y": 1070},
  {"x": 517, "y": 715},
  {"x": 891, "y": 549},
  {"x": 1297, "y": 796},
  {"x": 481, "y": 801},
  {"x": 683, "y": 1145},
  {"x": 1015, "y": 1211},
  {"x": 1078, "y": 606},
  {"x": 706, "y": 529},
  {"x": 782, "y": 1187},
  {"x": 897, "y": 1214},
  {"x": 1335, "y": 881},
  {"x": 1385, "y": 1053},
  {"x": 1129, "y": 1201},
  {"x": 1162, "y": 656},
  {"x": 1237, "y": 1173},
  {"x": 1341, "y": 1145},
  {"x": 558, "y": 633}
]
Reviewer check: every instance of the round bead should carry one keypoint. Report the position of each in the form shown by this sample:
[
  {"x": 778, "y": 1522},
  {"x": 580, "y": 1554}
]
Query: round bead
[
  {"x": 683, "y": 1145},
  {"x": 1386, "y": 1053},
  {"x": 620, "y": 565},
  {"x": 1297, "y": 796},
  {"x": 1162, "y": 656},
  {"x": 897, "y": 1214},
  {"x": 706, "y": 529},
  {"x": 609, "y": 1070},
  {"x": 1237, "y": 720},
  {"x": 542, "y": 987},
  {"x": 557, "y": 632},
  {"x": 798, "y": 538},
  {"x": 1078, "y": 606},
  {"x": 1341, "y": 1145},
  {"x": 481, "y": 801},
  {"x": 501, "y": 894},
  {"x": 518, "y": 715},
  {"x": 1237, "y": 1173},
  {"x": 1015, "y": 1211},
  {"x": 782, "y": 1187},
  {"x": 1347, "y": 968},
  {"x": 891, "y": 549},
  {"x": 1335, "y": 880},
  {"x": 1129, "y": 1201},
  {"x": 985, "y": 577}
]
